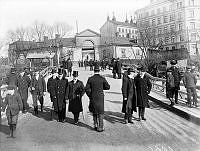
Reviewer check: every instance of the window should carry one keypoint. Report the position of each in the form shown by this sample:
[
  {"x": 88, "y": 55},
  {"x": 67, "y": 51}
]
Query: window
[
  {"x": 172, "y": 17},
  {"x": 159, "y": 21},
  {"x": 181, "y": 38},
  {"x": 191, "y": 2},
  {"x": 172, "y": 28},
  {"x": 154, "y": 31},
  {"x": 191, "y": 13},
  {"x": 180, "y": 26},
  {"x": 159, "y": 31},
  {"x": 126, "y": 31},
  {"x": 192, "y": 25},
  {"x": 158, "y": 11},
  {"x": 165, "y": 19},
  {"x": 153, "y": 22},
  {"x": 122, "y": 29},
  {"x": 123, "y": 51},
  {"x": 166, "y": 40},
  {"x": 165, "y": 29},
  {"x": 133, "y": 31},
  {"x": 129, "y": 31},
  {"x": 152, "y": 12},
  {"x": 173, "y": 39},
  {"x": 179, "y": 15},
  {"x": 119, "y": 29}
]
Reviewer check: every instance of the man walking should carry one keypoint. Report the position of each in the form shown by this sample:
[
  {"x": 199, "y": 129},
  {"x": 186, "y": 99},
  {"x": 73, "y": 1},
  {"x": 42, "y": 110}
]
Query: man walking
[
  {"x": 38, "y": 87},
  {"x": 189, "y": 81},
  {"x": 94, "y": 90},
  {"x": 75, "y": 93},
  {"x": 143, "y": 88},
  {"x": 23, "y": 83},
  {"x": 69, "y": 67},
  {"x": 61, "y": 95}
]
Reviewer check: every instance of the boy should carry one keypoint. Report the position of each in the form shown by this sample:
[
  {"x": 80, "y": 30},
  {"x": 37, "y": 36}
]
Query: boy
[{"x": 14, "y": 105}]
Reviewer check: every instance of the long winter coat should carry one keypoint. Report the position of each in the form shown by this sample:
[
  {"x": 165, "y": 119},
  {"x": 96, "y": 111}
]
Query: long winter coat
[
  {"x": 75, "y": 93},
  {"x": 118, "y": 66},
  {"x": 11, "y": 79},
  {"x": 39, "y": 85},
  {"x": 51, "y": 83},
  {"x": 94, "y": 90},
  {"x": 23, "y": 83},
  {"x": 13, "y": 104},
  {"x": 61, "y": 94},
  {"x": 143, "y": 88},
  {"x": 129, "y": 92}
]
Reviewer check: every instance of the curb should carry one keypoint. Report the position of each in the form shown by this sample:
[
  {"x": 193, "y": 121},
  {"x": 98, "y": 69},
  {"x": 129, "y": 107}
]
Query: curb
[{"x": 183, "y": 114}]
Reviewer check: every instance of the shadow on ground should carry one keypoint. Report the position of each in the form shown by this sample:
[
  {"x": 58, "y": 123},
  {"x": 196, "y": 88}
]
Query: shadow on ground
[{"x": 4, "y": 129}]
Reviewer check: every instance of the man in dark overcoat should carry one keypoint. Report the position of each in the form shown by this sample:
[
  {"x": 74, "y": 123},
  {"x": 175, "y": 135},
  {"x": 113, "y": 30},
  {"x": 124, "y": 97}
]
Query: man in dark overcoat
[
  {"x": 114, "y": 69},
  {"x": 23, "y": 83},
  {"x": 91, "y": 64},
  {"x": 51, "y": 83},
  {"x": 61, "y": 95},
  {"x": 118, "y": 68},
  {"x": 69, "y": 67},
  {"x": 12, "y": 77},
  {"x": 143, "y": 88},
  {"x": 94, "y": 90},
  {"x": 75, "y": 92},
  {"x": 129, "y": 95},
  {"x": 177, "y": 78},
  {"x": 38, "y": 87}
]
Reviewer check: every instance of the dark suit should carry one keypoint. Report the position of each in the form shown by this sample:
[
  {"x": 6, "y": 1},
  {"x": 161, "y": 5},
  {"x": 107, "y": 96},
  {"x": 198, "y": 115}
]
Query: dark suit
[
  {"x": 94, "y": 90},
  {"x": 75, "y": 93},
  {"x": 61, "y": 96},
  {"x": 51, "y": 83}
]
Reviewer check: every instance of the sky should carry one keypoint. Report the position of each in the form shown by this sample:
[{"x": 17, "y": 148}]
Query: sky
[{"x": 90, "y": 14}]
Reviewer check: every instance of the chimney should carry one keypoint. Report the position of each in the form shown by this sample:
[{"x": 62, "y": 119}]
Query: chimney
[
  {"x": 45, "y": 38},
  {"x": 57, "y": 36}
]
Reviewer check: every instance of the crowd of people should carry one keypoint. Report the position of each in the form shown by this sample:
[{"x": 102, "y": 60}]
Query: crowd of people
[{"x": 136, "y": 85}]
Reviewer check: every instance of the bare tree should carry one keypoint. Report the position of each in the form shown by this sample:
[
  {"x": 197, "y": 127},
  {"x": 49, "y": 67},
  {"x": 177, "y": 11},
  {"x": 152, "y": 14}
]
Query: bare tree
[
  {"x": 38, "y": 30},
  {"x": 62, "y": 28}
]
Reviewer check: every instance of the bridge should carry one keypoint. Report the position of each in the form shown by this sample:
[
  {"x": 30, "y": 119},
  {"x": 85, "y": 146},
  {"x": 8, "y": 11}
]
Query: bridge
[{"x": 166, "y": 129}]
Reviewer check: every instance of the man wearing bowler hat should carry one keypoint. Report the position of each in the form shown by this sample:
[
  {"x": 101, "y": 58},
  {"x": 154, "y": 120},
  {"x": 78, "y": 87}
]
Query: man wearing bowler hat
[
  {"x": 94, "y": 90},
  {"x": 75, "y": 93},
  {"x": 61, "y": 95}
]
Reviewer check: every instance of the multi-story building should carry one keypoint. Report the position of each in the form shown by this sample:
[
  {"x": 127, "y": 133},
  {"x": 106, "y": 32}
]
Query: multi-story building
[
  {"x": 174, "y": 23},
  {"x": 115, "y": 39}
]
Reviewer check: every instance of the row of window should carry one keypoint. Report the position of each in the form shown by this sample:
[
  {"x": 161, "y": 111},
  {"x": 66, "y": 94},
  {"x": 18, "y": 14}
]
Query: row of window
[
  {"x": 127, "y": 36},
  {"x": 168, "y": 40},
  {"x": 166, "y": 8},
  {"x": 125, "y": 30}
]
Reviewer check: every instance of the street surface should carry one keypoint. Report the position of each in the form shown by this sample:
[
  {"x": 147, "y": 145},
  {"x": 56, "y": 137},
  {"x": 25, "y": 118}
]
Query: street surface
[{"x": 163, "y": 130}]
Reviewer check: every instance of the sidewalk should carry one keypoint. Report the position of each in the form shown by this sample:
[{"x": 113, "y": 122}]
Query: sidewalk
[{"x": 190, "y": 113}]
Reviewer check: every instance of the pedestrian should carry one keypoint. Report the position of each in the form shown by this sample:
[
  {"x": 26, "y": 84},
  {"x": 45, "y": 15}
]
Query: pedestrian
[
  {"x": 13, "y": 105},
  {"x": 69, "y": 67},
  {"x": 38, "y": 87},
  {"x": 85, "y": 63},
  {"x": 51, "y": 83},
  {"x": 61, "y": 95},
  {"x": 91, "y": 64},
  {"x": 75, "y": 92},
  {"x": 12, "y": 77},
  {"x": 129, "y": 95},
  {"x": 94, "y": 90},
  {"x": 177, "y": 78},
  {"x": 114, "y": 69},
  {"x": 143, "y": 88},
  {"x": 190, "y": 81},
  {"x": 64, "y": 66},
  {"x": 118, "y": 68},
  {"x": 23, "y": 83},
  {"x": 170, "y": 86}
]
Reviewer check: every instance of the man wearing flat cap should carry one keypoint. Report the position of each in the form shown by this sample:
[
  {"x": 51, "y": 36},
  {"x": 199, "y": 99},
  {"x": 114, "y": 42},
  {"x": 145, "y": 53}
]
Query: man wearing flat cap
[
  {"x": 61, "y": 95},
  {"x": 177, "y": 78},
  {"x": 94, "y": 90},
  {"x": 75, "y": 92},
  {"x": 143, "y": 88}
]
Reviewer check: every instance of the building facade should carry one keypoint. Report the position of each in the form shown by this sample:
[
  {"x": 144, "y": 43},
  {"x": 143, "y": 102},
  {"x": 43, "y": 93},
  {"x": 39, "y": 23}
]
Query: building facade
[
  {"x": 115, "y": 39},
  {"x": 174, "y": 23}
]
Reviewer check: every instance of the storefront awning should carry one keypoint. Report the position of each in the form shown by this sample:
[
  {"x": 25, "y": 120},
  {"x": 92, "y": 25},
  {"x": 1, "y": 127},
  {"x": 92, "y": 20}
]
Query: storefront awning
[{"x": 40, "y": 55}]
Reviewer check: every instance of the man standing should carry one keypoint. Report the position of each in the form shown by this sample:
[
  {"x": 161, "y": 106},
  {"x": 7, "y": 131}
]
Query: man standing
[
  {"x": 118, "y": 68},
  {"x": 143, "y": 88},
  {"x": 12, "y": 77},
  {"x": 69, "y": 67},
  {"x": 189, "y": 81},
  {"x": 23, "y": 83},
  {"x": 51, "y": 87},
  {"x": 94, "y": 90},
  {"x": 177, "y": 78},
  {"x": 75, "y": 93},
  {"x": 38, "y": 87},
  {"x": 61, "y": 95}
]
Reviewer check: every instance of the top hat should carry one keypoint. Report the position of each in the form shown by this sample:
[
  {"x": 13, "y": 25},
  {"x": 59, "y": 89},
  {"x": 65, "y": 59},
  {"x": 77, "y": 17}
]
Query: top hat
[
  {"x": 60, "y": 71},
  {"x": 12, "y": 69},
  {"x": 141, "y": 68},
  {"x": 75, "y": 73},
  {"x": 173, "y": 62},
  {"x": 96, "y": 68}
]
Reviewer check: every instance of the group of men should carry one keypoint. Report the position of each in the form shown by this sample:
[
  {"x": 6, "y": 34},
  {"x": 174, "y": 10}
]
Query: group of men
[
  {"x": 116, "y": 68},
  {"x": 67, "y": 65}
]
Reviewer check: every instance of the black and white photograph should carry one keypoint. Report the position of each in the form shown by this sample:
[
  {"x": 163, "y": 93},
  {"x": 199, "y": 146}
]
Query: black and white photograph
[{"x": 99, "y": 75}]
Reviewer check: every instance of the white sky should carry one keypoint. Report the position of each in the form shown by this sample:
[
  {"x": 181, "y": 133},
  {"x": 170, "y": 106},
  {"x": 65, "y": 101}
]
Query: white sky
[{"x": 90, "y": 14}]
